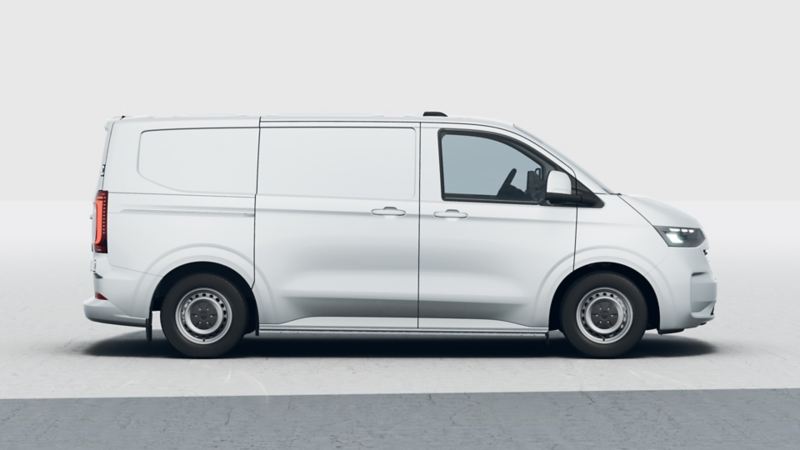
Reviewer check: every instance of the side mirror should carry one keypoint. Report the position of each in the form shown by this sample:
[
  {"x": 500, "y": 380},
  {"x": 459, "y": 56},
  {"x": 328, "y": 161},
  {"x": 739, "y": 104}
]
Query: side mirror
[
  {"x": 559, "y": 192},
  {"x": 559, "y": 183},
  {"x": 559, "y": 188}
]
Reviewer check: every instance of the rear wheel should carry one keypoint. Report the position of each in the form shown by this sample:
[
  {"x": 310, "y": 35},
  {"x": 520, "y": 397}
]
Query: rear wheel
[
  {"x": 603, "y": 315},
  {"x": 203, "y": 316}
]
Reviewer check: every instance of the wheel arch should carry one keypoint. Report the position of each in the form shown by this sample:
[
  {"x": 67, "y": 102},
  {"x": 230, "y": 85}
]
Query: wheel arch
[
  {"x": 177, "y": 273},
  {"x": 653, "y": 308}
]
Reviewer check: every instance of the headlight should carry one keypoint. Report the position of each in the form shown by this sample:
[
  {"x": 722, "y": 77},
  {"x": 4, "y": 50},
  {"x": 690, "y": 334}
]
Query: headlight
[{"x": 681, "y": 237}]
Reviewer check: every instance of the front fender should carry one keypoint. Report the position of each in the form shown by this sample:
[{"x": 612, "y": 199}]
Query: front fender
[{"x": 639, "y": 263}]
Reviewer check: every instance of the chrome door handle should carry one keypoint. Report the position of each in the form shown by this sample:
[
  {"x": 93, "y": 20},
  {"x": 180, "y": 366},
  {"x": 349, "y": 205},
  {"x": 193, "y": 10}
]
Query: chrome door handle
[
  {"x": 450, "y": 214},
  {"x": 388, "y": 211}
]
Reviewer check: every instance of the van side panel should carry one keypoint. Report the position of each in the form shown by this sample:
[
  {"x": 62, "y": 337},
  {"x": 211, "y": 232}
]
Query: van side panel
[{"x": 177, "y": 196}]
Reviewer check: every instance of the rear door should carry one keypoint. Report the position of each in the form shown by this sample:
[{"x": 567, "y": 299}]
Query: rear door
[{"x": 337, "y": 224}]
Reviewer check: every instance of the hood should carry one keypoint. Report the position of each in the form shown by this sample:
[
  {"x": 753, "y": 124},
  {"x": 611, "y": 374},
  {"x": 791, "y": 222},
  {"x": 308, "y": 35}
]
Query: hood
[{"x": 659, "y": 213}]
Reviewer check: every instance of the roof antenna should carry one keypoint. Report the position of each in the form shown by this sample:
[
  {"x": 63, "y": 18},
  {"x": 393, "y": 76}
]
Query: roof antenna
[{"x": 434, "y": 114}]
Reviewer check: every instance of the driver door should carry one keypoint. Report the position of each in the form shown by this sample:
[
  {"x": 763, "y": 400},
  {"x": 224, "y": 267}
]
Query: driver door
[{"x": 489, "y": 243}]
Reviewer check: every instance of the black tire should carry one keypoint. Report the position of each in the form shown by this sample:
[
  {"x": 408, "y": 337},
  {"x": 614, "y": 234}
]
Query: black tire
[
  {"x": 600, "y": 285},
  {"x": 206, "y": 289}
]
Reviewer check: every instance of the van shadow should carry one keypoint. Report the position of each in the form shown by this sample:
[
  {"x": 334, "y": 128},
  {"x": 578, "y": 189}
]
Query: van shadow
[{"x": 340, "y": 346}]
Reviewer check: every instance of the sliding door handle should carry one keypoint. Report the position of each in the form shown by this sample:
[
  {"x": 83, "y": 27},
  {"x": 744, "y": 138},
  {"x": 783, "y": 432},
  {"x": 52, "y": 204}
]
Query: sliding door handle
[
  {"x": 450, "y": 214},
  {"x": 388, "y": 211}
]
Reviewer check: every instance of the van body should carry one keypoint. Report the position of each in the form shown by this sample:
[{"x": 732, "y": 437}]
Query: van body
[{"x": 425, "y": 224}]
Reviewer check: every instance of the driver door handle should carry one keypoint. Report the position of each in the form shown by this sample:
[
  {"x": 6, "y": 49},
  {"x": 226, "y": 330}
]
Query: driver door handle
[
  {"x": 450, "y": 214},
  {"x": 388, "y": 211}
]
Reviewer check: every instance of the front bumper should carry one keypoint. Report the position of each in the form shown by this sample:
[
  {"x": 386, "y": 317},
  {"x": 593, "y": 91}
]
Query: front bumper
[
  {"x": 692, "y": 288},
  {"x": 703, "y": 297},
  {"x": 104, "y": 311}
]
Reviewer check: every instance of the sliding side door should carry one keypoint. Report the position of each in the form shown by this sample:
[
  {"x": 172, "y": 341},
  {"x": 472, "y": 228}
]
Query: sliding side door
[{"x": 337, "y": 224}]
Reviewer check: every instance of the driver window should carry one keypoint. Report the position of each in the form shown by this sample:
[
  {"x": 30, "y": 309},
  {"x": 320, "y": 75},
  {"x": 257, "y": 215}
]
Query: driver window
[{"x": 483, "y": 168}]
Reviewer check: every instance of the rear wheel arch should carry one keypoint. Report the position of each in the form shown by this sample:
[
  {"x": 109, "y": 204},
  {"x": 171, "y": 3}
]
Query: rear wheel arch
[
  {"x": 654, "y": 315},
  {"x": 180, "y": 272}
]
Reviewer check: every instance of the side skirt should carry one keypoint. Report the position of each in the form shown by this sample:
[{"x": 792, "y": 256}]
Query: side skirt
[{"x": 405, "y": 331}]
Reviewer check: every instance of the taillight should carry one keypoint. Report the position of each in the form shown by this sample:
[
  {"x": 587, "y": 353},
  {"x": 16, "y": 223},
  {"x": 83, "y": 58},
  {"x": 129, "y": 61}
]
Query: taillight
[{"x": 101, "y": 222}]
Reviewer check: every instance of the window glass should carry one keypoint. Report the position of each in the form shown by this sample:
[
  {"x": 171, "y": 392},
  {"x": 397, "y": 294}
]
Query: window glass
[
  {"x": 211, "y": 161},
  {"x": 487, "y": 169},
  {"x": 339, "y": 162}
]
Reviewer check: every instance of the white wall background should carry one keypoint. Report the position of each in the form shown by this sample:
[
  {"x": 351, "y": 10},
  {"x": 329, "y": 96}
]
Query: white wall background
[{"x": 678, "y": 100}]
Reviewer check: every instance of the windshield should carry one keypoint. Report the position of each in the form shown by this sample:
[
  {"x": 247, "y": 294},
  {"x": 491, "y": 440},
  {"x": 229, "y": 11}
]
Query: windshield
[{"x": 562, "y": 157}]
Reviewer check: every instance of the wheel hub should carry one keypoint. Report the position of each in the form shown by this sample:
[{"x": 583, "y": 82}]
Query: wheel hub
[
  {"x": 203, "y": 316},
  {"x": 604, "y": 315}
]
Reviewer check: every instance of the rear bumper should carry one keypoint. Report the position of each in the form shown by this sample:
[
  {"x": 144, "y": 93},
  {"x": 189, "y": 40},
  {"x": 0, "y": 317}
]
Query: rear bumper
[
  {"x": 104, "y": 311},
  {"x": 128, "y": 291}
]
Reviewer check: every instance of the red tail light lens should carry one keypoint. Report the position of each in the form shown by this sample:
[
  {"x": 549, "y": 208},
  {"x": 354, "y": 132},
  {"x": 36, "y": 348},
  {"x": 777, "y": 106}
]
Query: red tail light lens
[{"x": 101, "y": 222}]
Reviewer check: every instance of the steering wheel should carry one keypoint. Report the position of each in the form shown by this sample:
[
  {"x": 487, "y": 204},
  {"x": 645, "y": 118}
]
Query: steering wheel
[{"x": 507, "y": 183}]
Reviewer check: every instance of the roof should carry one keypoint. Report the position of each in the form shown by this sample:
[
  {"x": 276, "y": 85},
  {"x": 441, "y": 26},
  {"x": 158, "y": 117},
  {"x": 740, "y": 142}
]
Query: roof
[
  {"x": 318, "y": 118},
  {"x": 380, "y": 118}
]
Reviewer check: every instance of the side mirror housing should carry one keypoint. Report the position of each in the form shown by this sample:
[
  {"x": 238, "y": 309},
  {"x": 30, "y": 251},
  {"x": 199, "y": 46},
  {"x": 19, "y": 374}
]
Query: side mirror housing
[
  {"x": 559, "y": 188},
  {"x": 558, "y": 184},
  {"x": 560, "y": 192}
]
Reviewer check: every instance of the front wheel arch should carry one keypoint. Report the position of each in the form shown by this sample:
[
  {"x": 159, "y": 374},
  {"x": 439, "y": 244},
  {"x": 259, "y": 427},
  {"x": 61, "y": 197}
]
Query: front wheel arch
[{"x": 654, "y": 313}]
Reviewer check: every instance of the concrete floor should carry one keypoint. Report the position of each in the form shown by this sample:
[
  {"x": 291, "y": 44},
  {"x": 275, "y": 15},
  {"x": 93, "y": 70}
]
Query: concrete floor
[
  {"x": 716, "y": 419},
  {"x": 50, "y": 350}
]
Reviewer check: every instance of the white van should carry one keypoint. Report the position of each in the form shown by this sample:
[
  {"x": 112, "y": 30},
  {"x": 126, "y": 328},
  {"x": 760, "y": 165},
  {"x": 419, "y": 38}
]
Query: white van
[{"x": 406, "y": 225}]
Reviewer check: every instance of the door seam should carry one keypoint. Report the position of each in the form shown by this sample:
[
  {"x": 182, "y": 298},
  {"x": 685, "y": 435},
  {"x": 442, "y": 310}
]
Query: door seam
[{"x": 419, "y": 216}]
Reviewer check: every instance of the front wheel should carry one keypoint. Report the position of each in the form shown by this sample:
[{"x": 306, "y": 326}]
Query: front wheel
[
  {"x": 603, "y": 315},
  {"x": 203, "y": 316}
]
